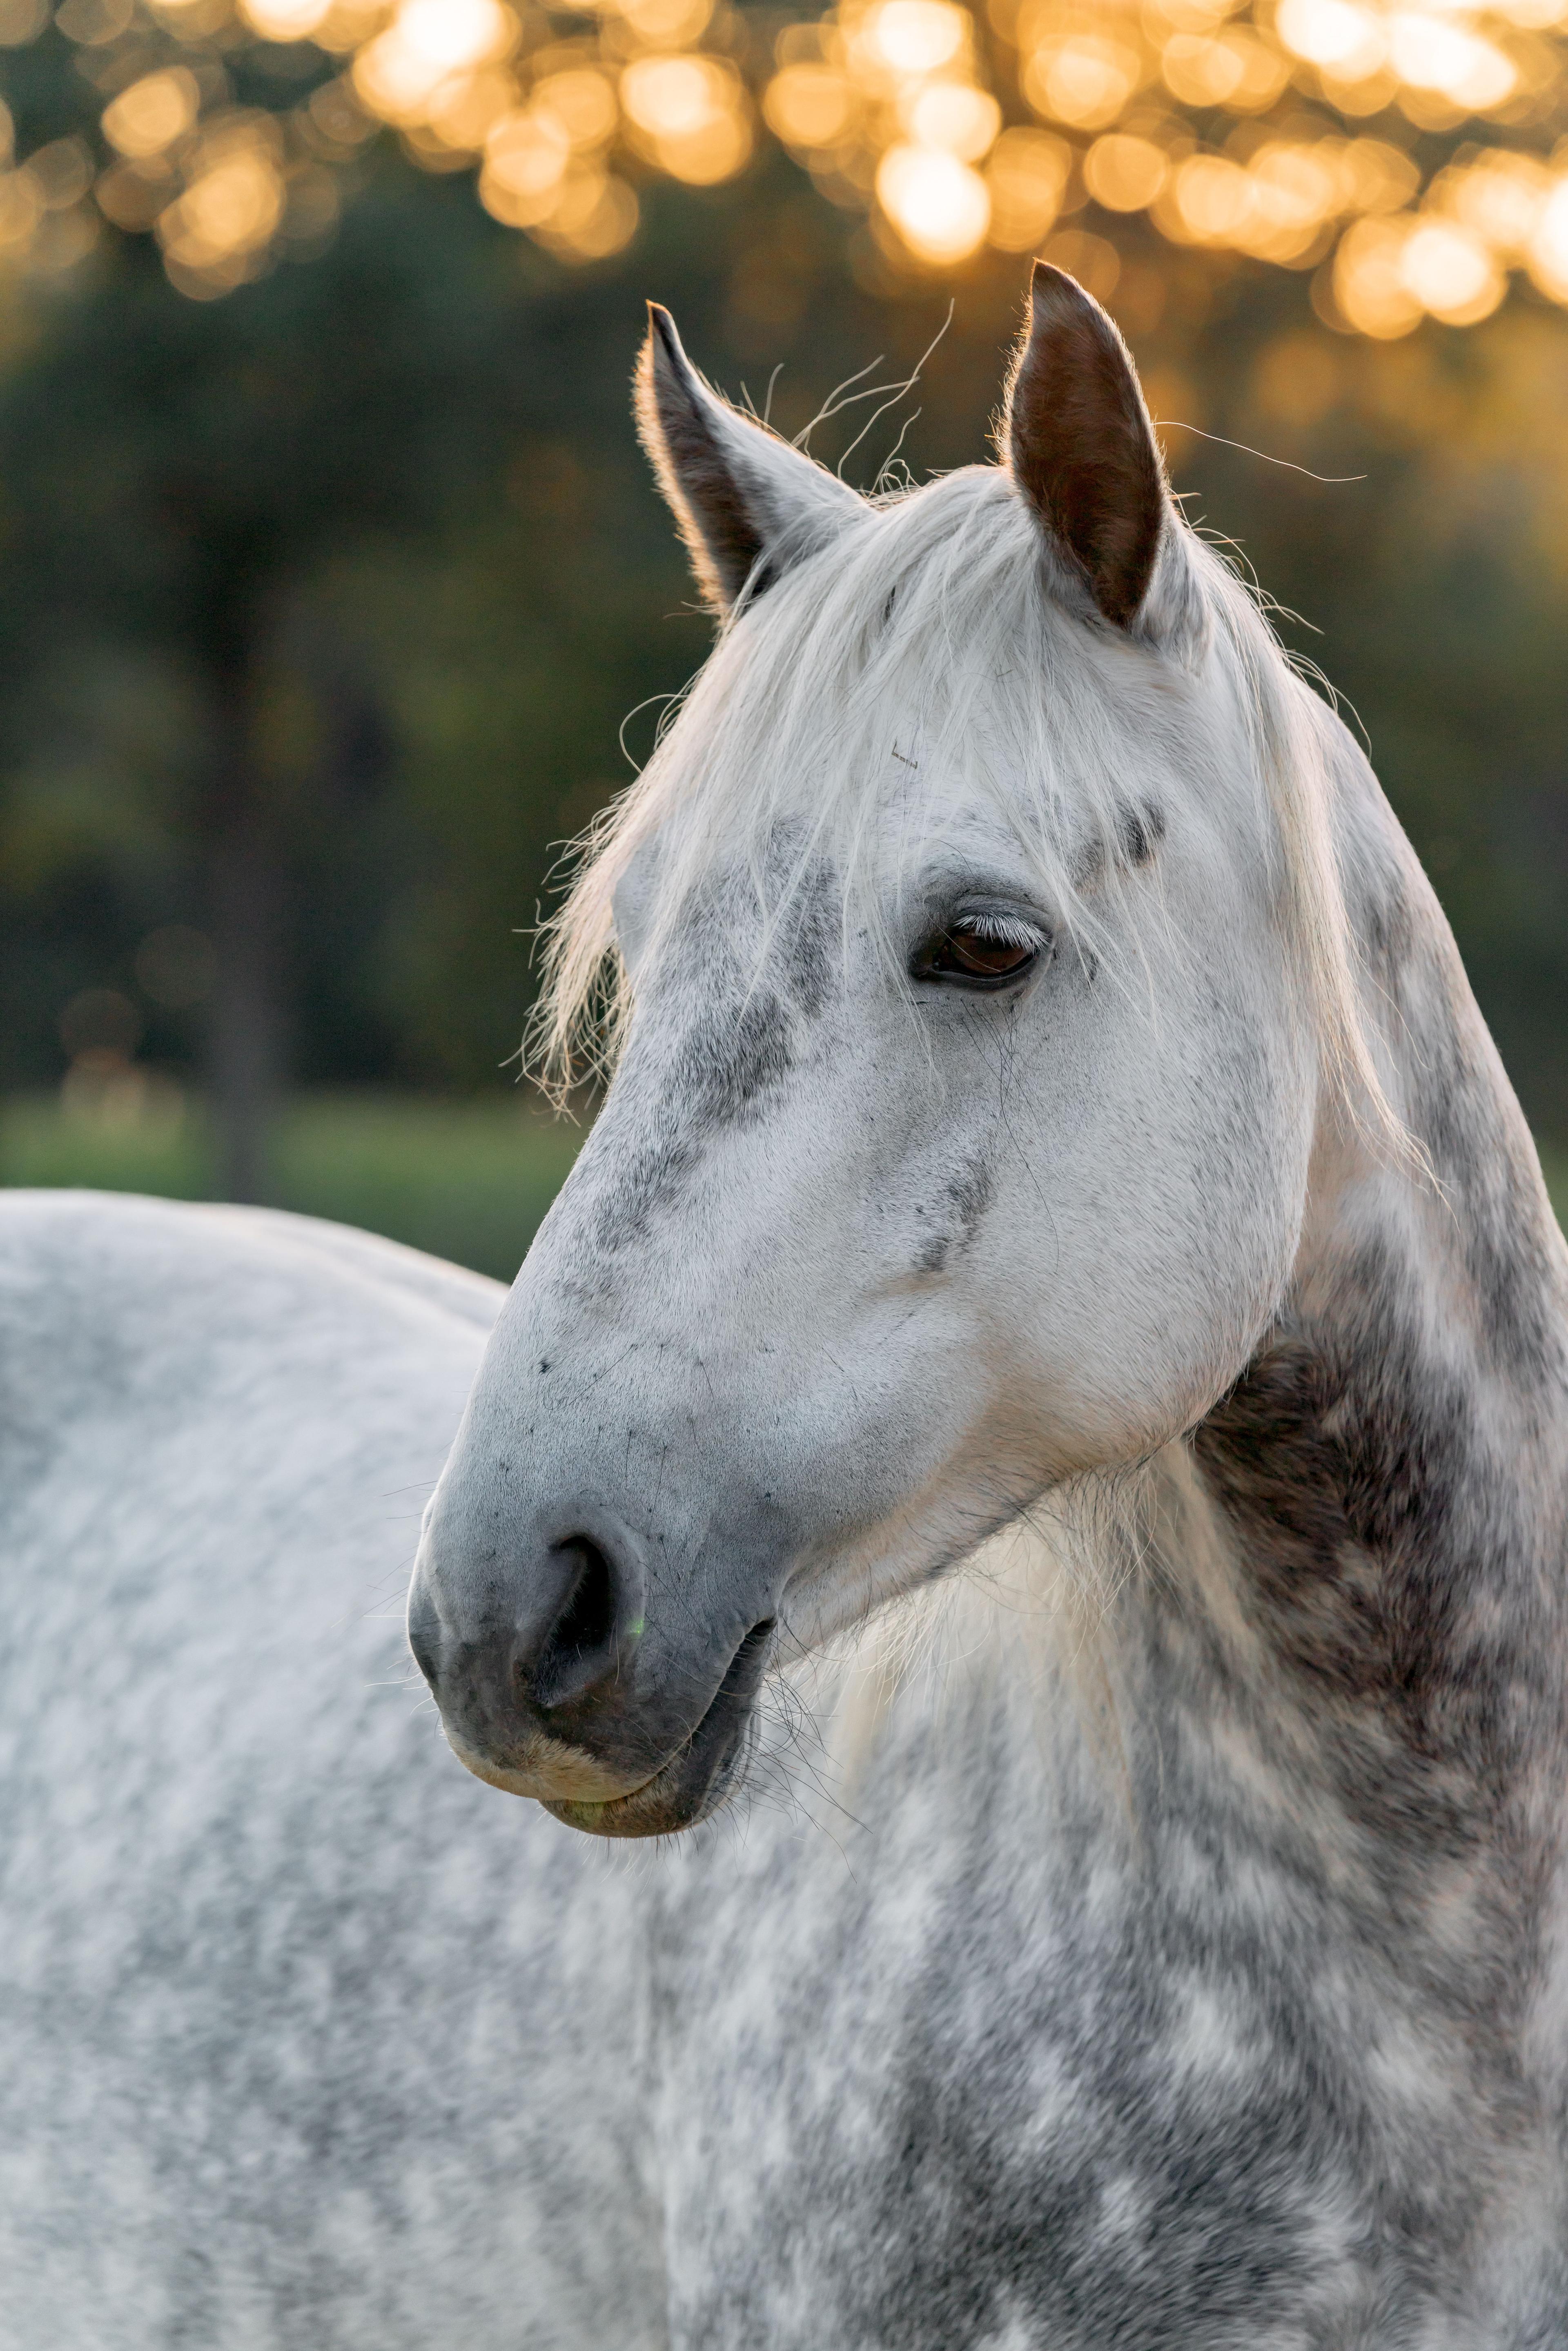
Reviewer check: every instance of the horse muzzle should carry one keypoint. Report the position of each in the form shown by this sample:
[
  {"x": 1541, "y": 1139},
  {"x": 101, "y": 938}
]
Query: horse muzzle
[{"x": 551, "y": 1685}]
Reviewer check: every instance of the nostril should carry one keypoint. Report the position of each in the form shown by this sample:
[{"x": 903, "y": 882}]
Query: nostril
[{"x": 580, "y": 1644}]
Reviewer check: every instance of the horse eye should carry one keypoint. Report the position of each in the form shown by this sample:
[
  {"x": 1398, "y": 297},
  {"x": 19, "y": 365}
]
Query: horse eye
[{"x": 978, "y": 954}]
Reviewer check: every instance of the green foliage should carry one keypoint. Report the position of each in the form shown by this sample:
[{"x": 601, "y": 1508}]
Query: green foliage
[{"x": 468, "y": 1181}]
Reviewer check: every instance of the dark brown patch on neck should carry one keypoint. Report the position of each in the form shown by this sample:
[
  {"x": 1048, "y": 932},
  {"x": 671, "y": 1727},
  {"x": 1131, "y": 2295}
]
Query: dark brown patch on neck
[{"x": 1387, "y": 1562}]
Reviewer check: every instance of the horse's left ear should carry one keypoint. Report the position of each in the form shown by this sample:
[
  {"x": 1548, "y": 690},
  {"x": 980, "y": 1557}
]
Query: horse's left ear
[
  {"x": 747, "y": 504},
  {"x": 1080, "y": 446}
]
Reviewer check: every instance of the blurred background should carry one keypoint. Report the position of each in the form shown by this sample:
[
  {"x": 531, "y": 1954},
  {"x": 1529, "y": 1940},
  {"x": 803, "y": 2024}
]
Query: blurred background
[{"x": 330, "y": 571}]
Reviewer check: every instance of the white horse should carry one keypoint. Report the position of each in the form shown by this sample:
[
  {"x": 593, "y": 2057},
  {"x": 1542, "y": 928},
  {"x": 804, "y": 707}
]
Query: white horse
[{"x": 1035, "y": 1434}]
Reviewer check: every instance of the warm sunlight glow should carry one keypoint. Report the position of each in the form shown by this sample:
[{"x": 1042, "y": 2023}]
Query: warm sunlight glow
[
  {"x": 526, "y": 160},
  {"x": 1125, "y": 173},
  {"x": 284, "y": 20},
  {"x": 1548, "y": 256},
  {"x": 1332, "y": 33},
  {"x": 595, "y": 216},
  {"x": 582, "y": 101},
  {"x": 810, "y": 105},
  {"x": 152, "y": 113},
  {"x": 666, "y": 24},
  {"x": 691, "y": 112},
  {"x": 1347, "y": 140},
  {"x": 230, "y": 210},
  {"x": 940, "y": 206},
  {"x": 1084, "y": 78},
  {"x": 1432, "y": 53},
  {"x": 1027, "y": 177},
  {"x": 915, "y": 37},
  {"x": 1451, "y": 273},
  {"x": 954, "y": 116},
  {"x": 1369, "y": 283},
  {"x": 428, "y": 42}
]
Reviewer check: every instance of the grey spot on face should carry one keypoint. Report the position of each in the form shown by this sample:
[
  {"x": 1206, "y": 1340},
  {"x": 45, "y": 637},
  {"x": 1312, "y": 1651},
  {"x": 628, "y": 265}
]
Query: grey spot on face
[
  {"x": 933, "y": 1258},
  {"x": 705, "y": 1069},
  {"x": 970, "y": 1193},
  {"x": 1141, "y": 831},
  {"x": 956, "y": 1220},
  {"x": 810, "y": 933}
]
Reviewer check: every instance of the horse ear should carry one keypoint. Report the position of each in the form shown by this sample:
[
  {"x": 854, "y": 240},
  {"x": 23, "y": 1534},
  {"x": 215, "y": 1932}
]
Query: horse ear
[
  {"x": 1080, "y": 446},
  {"x": 748, "y": 505}
]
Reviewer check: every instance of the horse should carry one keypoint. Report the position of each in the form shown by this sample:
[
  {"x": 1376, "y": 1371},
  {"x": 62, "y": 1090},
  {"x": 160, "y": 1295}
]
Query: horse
[{"x": 1011, "y": 1528}]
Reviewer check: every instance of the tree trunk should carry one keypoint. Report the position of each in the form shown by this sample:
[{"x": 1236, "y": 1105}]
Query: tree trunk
[{"x": 245, "y": 896}]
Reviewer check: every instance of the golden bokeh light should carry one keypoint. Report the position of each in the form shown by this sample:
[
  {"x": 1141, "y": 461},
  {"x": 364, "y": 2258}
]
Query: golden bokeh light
[
  {"x": 21, "y": 208},
  {"x": 811, "y": 105},
  {"x": 403, "y": 73},
  {"x": 1548, "y": 254},
  {"x": 954, "y": 116},
  {"x": 1369, "y": 283},
  {"x": 595, "y": 215},
  {"x": 940, "y": 206},
  {"x": 232, "y": 206},
  {"x": 462, "y": 110},
  {"x": 1349, "y": 40},
  {"x": 664, "y": 24},
  {"x": 582, "y": 100},
  {"x": 1410, "y": 155},
  {"x": 284, "y": 20},
  {"x": 911, "y": 37},
  {"x": 1375, "y": 177},
  {"x": 1125, "y": 173},
  {"x": 1082, "y": 79},
  {"x": 689, "y": 114},
  {"x": 153, "y": 112},
  {"x": 527, "y": 158},
  {"x": 22, "y": 21},
  {"x": 1027, "y": 178},
  {"x": 1430, "y": 52},
  {"x": 1451, "y": 273}
]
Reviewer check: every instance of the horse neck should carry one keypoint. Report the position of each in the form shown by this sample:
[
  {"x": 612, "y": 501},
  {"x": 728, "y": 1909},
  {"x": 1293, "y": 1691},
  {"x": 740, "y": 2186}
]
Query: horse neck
[{"x": 1387, "y": 1484}]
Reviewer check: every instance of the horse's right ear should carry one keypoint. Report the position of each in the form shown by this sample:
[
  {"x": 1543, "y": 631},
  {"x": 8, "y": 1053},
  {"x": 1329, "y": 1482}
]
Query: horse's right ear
[{"x": 748, "y": 505}]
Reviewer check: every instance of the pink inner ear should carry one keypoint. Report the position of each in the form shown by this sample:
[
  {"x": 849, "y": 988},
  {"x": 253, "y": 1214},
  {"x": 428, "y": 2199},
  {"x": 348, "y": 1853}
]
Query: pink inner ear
[{"x": 1081, "y": 445}]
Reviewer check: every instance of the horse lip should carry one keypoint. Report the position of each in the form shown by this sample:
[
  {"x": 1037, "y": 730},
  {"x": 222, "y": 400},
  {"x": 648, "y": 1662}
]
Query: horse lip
[
  {"x": 695, "y": 1780},
  {"x": 562, "y": 1762}
]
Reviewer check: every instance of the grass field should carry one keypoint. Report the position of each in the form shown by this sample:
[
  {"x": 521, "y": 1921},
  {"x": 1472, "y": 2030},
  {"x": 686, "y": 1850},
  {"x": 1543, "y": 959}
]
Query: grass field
[{"x": 470, "y": 1181}]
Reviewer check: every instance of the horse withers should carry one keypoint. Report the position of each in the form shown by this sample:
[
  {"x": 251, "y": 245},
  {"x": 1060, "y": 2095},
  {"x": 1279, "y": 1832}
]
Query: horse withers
[{"x": 1035, "y": 1438}]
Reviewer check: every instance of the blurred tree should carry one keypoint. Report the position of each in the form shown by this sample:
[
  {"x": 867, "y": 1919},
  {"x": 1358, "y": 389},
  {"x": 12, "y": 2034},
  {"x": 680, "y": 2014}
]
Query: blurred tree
[
  {"x": 176, "y": 472},
  {"x": 321, "y": 602}
]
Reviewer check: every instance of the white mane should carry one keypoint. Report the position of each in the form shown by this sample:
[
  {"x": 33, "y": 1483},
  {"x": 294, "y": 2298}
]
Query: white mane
[{"x": 928, "y": 632}]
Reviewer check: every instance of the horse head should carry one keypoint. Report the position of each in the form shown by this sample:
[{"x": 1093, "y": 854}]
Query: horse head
[{"x": 974, "y": 951}]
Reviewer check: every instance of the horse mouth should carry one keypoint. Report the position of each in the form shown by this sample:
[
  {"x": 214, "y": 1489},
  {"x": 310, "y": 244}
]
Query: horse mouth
[{"x": 703, "y": 1771}]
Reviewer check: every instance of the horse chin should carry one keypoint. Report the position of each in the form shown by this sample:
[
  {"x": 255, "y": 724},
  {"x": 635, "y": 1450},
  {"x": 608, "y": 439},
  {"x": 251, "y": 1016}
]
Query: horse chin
[
  {"x": 705, "y": 1770},
  {"x": 690, "y": 1785},
  {"x": 666, "y": 1804}
]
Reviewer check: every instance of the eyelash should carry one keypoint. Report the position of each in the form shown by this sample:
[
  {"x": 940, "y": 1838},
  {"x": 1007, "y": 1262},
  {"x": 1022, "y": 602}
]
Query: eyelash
[{"x": 942, "y": 957}]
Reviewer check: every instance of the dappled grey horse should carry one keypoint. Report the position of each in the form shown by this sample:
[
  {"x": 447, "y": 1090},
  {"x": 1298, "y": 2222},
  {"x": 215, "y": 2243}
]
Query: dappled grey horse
[{"x": 1035, "y": 1436}]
